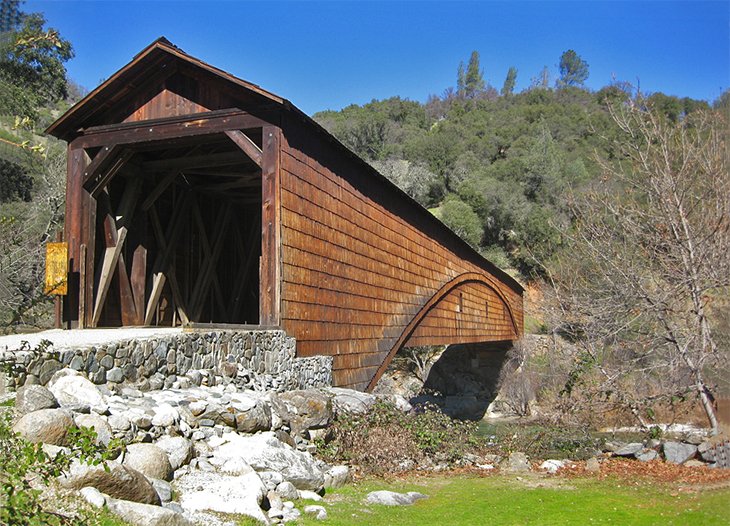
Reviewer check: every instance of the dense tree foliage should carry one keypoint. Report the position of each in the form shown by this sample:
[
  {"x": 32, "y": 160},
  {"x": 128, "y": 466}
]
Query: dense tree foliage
[{"x": 513, "y": 159}]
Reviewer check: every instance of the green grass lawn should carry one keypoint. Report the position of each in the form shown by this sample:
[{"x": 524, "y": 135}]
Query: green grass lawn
[{"x": 504, "y": 500}]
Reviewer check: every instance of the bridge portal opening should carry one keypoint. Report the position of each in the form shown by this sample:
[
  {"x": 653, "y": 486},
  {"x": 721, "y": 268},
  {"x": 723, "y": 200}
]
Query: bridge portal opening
[{"x": 178, "y": 235}]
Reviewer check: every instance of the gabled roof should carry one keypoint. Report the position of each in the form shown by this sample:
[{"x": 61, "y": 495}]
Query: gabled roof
[
  {"x": 158, "y": 56},
  {"x": 162, "y": 54}
]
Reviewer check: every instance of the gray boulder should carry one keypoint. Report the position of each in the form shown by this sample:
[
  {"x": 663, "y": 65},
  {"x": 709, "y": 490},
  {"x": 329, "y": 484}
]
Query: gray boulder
[
  {"x": 252, "y": 414},
  {"x": 336, "y": 477},
  {"x": 307, "y": 409},
  {"x": 678, "y": 452},
  {"x": 145, "y": 515},
  {"x": 120, "y": 482},
  {"x": 34, "y": 398},
  {"x": 206, "y": 491},
  {"x": 49, "y": 426},
  {"x": 98, "y": 424},
  {"x": 287, "y": 491},
  {"x": 517, "y": 462},
  {"x": 647, "y": 455},
  {"x": 148, "y": 459},
  {"x": 351, "y": 401},
  {"x": 75, "y": 391},
  {"x": 179, "y": 450},
  {"x": 391, "y": 498}
]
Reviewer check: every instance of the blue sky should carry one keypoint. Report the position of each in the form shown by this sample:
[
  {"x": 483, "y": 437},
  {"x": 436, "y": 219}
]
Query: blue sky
[{"x": 326, "y": 55}]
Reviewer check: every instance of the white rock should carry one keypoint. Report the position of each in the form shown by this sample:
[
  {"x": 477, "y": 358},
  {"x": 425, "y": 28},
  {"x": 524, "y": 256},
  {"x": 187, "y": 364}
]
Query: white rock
[
  {"x": 93, "y": 496},
  {"x": 148, "y": 459},
  {"x": 165, "y": 415},
  {"x": 201, "y": 491},
  {"x": 552, "y": 465},
  {"x": 179, "y": 450},
  {"x": 264, "y": 452},
  {"x": 318, "y": 512},
  {"x": 77, "y": 390},
  {"x": 119, "y": 423},
  {"x": 145, "y": 514},
  {"x": 306, "y": 494},
  {"x": 336, "y": 477},
  {"x": 391, "y": 498}
]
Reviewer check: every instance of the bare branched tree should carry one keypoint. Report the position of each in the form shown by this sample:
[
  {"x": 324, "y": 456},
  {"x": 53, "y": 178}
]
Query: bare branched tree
[
  {"x": 24, "y": 230},
  {"x": 651, "y": 245}
]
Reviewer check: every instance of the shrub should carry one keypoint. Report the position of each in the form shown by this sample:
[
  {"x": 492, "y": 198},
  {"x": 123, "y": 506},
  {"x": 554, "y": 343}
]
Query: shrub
[{"x": 387, "y": 440}]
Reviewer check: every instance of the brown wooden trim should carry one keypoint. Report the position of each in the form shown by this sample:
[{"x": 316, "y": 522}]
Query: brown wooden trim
[
  {"x": 270, "y": 275},
  {"x": 246, "y": 145},
  {"x": 141, "y": 132},
  {"x": 444, "y": 291}
]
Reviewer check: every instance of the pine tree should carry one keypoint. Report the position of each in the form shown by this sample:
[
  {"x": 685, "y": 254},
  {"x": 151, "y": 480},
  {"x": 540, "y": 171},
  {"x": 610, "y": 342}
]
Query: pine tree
[
  {"x": 573, "y": 69},
  {"x": 509, "y": 82},
  {"x": 474, "y": 78}
]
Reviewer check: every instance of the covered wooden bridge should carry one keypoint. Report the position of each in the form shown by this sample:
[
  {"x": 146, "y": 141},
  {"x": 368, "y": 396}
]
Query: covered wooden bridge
[{"x": 194, "y": 197}]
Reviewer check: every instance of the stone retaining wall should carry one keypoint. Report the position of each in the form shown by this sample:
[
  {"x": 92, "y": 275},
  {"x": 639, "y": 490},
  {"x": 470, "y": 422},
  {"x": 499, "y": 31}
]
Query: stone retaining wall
[{"x": 255, "y": 359}]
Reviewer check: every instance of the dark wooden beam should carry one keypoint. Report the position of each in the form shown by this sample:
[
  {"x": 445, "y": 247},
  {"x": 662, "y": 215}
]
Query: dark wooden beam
[
  {"x": 270, "y": 288},
  {"x": 142, "y": 132},
  {"x": 139, "y": 279},
  {"x": 248, "y": 147},
  {"x": 158, "y": 190},
  {"x": 192, "y": 162},
  {"x": 95, "y": 181}
]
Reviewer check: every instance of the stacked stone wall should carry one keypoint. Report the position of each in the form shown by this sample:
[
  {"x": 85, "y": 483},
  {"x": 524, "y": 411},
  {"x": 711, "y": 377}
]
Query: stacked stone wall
[{"x": 261, "y": 360}]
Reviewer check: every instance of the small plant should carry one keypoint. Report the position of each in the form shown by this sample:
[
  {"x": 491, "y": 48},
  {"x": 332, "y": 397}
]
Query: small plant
[{"x": 24, "y": 466}]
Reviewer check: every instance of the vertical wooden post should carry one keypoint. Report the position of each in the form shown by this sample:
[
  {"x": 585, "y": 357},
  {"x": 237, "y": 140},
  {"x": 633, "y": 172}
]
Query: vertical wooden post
[
  {"x": 82, "y": 296},
  {"x": 270, "y": 273},
  {"x": 77, "y": 161}
]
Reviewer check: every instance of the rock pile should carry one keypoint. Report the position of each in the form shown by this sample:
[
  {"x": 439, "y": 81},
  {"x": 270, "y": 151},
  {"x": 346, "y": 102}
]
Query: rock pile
[{"x": 216, "y": 449}]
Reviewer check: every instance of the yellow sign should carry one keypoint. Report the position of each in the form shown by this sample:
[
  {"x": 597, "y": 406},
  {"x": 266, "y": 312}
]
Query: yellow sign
[{"x": 56, "y": 269}]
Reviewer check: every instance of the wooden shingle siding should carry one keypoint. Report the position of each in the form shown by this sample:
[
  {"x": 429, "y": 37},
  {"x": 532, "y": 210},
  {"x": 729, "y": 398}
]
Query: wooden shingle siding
[{"x": 358, "y": 265}]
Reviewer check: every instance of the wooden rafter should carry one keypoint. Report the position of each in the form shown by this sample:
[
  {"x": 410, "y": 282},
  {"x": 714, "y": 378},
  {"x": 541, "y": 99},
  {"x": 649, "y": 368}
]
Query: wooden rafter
[{"x": 248, "y": 147}]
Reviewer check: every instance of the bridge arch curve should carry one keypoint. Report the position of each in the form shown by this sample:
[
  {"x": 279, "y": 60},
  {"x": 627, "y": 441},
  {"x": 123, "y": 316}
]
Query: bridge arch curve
[{"x": 446, "y": 289}]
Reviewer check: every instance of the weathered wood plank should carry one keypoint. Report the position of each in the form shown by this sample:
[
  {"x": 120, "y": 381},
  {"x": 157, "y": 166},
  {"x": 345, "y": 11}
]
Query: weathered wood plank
[
  {"x": 248, "y": 147},
  {"x": 270, "y": 275}
]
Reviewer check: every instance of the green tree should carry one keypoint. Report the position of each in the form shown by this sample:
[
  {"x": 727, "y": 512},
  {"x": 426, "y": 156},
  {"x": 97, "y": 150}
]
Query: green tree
[
  {"x": 32, "y": 71},
  {"x": 573, "y": 69},
  {"x": 509, "y": 83},
  {"x": 460, "y": 218},
  {"x": 474, "y": 78},
  {"x": 460, "y": 80}
]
